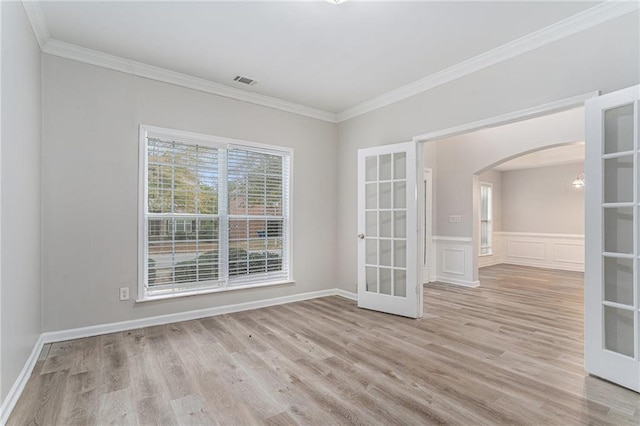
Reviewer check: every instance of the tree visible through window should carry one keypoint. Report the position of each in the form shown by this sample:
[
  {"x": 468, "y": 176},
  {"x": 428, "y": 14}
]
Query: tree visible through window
[
  {"x": 485, "y": 218},
  {"x": 215, "y": 215}
]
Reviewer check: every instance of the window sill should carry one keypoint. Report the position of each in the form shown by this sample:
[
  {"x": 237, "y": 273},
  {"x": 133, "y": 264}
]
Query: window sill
[
  {"x": 485, "y": 255},
  {"x": 211, "y": 290}
]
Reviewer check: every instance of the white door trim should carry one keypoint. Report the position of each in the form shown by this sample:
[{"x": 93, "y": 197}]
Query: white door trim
[
  {"x": 426, "y": 220},
  {"x": 511, "y": 117}
]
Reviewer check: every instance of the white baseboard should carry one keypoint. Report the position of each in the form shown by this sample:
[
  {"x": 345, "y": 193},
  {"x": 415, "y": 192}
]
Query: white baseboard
[
  {"x": 12, "y": 397},
  {"x": 463, "y": 283},
  {"x": 346, "y": 294},
  {"x": 95, "y": 330},
  {"x": 493, "y": 260},
  {"x": 77, "y": 333}
]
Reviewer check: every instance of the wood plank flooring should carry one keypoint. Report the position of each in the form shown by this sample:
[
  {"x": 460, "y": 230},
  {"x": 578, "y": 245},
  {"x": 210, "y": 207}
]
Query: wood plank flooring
[{"x": 508, "y": 352}]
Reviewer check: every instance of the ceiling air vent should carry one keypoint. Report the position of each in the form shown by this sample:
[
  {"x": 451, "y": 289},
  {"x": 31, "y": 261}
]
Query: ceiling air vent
[{"x": 245, "y": 80}]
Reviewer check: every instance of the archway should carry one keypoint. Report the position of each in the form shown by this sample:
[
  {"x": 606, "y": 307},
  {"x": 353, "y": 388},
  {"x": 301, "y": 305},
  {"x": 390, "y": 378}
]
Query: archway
[{"x": 529, "y": 211}]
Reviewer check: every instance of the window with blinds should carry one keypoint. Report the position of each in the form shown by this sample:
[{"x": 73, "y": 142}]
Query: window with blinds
[
  {"x": 485, "y": 219},
  {"x": 215, "y": 214}
]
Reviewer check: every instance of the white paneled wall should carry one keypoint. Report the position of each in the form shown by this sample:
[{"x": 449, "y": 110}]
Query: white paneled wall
[
  {"x": 552, "y": 251},
  {"x": 454, "y": 255},
  {"x": 454, "y": 260}
]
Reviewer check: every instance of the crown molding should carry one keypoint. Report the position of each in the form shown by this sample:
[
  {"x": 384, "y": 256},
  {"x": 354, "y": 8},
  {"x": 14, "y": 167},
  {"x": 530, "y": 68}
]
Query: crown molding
[
  {"x": 574, "y": 24},
  {"x": 38, "y": 23},
  {"x": 586, "y": 19},
  {"x": 116, "y": 63}
]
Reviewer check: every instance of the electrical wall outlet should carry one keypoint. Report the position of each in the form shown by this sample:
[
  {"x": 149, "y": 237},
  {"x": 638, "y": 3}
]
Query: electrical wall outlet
[
  {"x": 455, "y": 218},
  {"x": 124, "y": 293}
]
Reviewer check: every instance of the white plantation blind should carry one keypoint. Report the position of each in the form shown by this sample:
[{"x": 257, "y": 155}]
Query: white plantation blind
[
  {"x": 257, "y": 191},
  {"x": 182, "y": 221},
  {"x": 215, "y": 215}
]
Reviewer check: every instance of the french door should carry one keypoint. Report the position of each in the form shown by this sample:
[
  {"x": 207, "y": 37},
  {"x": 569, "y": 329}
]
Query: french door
[
  {"x": 388, "y": 250},
  {"x": 612, "y": 237}
]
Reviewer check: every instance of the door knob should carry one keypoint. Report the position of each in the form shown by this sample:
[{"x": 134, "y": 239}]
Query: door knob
[{"x": 361, "y": 236}]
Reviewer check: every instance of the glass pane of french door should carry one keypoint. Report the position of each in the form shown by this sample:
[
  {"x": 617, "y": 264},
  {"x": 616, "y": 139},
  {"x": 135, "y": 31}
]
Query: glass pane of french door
[
  {"x": 620, "y": 231},
  {"x": 386, "y": 224}
]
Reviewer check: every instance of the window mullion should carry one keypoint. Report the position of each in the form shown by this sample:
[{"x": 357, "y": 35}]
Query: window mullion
[
  {"x": 285, "y": 234},
  {"x": 145, "y": 202},
  {"x": 173, "y": 210},
  {"x": 223, "y": 214},
  {"x": 265, "y": 245},
  {"x": 197, "y": 211}
]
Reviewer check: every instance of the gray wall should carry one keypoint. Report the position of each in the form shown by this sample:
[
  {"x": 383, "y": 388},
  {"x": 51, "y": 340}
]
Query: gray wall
[
  {"x": 20, "y": 169},
  {"x": 460, "y": 158},
  {"x": 494, "y": 177},
  {"x": 605, "y": 57},
  {"x": 542, "y": 200},
  {"x": 90, "y": 188}
]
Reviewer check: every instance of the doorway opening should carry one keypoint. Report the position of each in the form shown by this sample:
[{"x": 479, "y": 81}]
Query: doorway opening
[{"x": 458, "y": 165}]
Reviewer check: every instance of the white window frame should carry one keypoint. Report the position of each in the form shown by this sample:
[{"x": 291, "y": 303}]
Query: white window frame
[
  {"x": 489, "y": 221},
  {"x": 222, "y": 144}
]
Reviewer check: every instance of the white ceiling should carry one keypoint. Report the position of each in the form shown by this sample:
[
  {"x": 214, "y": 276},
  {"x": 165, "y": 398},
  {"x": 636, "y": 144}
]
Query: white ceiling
[
  {"x": 313, "y": 53},
  {"x": 567, "y": 154}
]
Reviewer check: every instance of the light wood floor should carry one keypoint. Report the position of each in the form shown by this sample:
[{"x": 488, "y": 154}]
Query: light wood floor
[{"x": 508, "y": 352}]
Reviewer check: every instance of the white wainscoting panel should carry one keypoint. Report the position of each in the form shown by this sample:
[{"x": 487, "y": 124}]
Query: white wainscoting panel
[
  {"x": 568, "y": 253},
  {"x": 454, "y": 257},
  {"x": 552, "y": 251},
  {"x": 526, "y": 249},
  {"x": 453, "y": 261},
  {"x": 497, "y": 255}
]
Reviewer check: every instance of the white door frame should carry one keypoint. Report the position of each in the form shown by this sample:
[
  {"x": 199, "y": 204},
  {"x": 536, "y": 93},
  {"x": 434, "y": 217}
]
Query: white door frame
[
  {"x": 426, "y": 221},
  {"x": 512, "y": 117}
]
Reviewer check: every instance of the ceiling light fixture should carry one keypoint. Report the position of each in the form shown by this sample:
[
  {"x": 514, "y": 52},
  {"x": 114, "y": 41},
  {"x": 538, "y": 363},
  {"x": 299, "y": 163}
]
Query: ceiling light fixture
[
  {"x": 336, "y": 1},
  {"x": 579, "y": 181}
]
